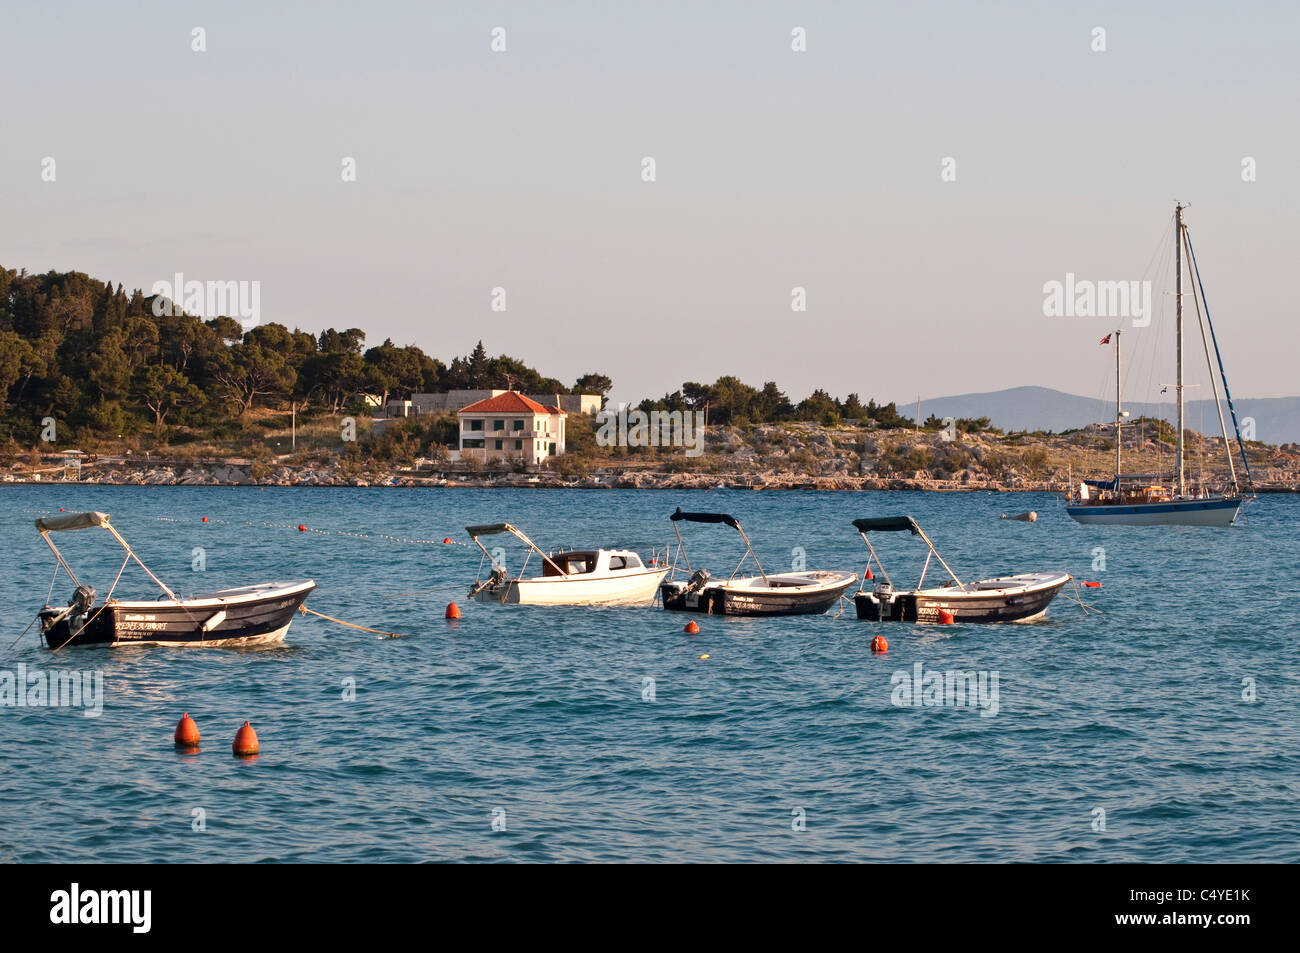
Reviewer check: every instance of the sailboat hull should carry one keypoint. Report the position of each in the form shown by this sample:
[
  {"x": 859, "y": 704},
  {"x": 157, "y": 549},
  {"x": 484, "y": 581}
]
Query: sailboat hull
[{"x": 1216, "y": 511}]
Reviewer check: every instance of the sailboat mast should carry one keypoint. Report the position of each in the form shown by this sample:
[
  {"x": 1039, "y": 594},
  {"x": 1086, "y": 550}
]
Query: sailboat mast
[
  {"x": 1178, "y": 311},
  {"x": 1119, "y": 414}
]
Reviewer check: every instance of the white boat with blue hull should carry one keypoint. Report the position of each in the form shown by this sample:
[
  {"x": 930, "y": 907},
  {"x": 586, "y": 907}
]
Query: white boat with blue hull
[
  {"x": 1211, "y": 511},
  {"x": 1134, "y": 501}
]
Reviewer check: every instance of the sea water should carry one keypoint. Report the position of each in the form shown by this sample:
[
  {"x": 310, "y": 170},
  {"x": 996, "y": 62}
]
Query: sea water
[{"x": 1161, "y": 727}]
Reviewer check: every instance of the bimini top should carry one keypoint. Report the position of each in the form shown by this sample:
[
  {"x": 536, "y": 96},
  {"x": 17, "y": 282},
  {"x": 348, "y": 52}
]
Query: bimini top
[
  {"x": 705, "y": 518},
  {"x": 490, "y": 529},
  {"x": 92, "y": 520},
  {"x": 888, "y": 524}
]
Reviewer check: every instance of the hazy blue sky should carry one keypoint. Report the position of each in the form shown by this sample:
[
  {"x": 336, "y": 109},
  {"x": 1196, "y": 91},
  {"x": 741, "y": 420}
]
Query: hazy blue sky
[{"x": 775, "y": 169}]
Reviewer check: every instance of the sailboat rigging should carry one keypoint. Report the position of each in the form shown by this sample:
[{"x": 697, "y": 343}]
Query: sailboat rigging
[{"x": 1114, "y": 502}]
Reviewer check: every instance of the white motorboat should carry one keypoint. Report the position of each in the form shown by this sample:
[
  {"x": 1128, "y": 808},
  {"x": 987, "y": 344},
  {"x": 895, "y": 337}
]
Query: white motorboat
[
  {"x": 804, "y": 592},
  {"x": 1019, "y": 598},
  {"x": 245, "y": 615},
  {"x": 578, "y": 577}
]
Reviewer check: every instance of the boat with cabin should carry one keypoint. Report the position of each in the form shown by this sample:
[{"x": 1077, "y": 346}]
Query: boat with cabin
[{"x": 576, "y": 577}]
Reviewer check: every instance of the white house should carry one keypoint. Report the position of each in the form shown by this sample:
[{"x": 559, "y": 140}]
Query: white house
[{"x": 511, "y": 426}]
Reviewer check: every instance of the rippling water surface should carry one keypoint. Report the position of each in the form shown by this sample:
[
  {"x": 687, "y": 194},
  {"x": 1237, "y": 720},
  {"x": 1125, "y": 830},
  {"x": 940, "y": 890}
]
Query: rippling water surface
[{"x": 541, "y": 717}]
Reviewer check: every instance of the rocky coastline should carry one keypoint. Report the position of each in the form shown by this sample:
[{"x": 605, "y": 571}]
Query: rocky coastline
[{"x": 798, "y": 457}]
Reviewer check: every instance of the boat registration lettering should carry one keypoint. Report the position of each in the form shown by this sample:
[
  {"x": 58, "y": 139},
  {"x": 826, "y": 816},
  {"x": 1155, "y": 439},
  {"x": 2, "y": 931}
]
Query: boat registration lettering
[{"x": 132, "y": 617}]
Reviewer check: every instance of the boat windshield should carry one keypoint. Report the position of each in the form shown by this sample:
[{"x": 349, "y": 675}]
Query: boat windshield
[{"x": 572, "y": 564}]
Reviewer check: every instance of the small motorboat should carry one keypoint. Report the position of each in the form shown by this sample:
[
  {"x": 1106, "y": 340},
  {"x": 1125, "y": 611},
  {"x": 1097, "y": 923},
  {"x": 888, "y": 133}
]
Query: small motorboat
[
  {"x": 1018, "y": 598},
  {"x": 579, "y": 577},
  {"x": 792, "y": 593},
  {"x": 246, "y": 615}
]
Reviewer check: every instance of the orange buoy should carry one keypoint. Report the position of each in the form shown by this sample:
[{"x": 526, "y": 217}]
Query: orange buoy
[
  {"x": 205, "y": 519},
  {"x": 1093, "y": 585},
  {"x": 869, "y": 576},
  {"x": 692, "y": 627},
  {"x": 946, "y": 617},
  {"x": 302, "y": 528},
  {"x": 187, "y": 732},
  {"x": 245, "y": 742},
  {"x": 446, "y": 541},
  {"x": 878, "y": 644},
  {"x": 453, "y": 611}
]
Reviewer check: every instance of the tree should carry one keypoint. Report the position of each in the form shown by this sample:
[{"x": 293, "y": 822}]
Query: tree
[
  {"x": 730, "y": 400},
  {"x": 17, "y": 358},
  {"x": 336, "y": 373},
  {"x": 246, "y": 371},
  {"x": 819, "y": 406},
  {"x": 163, "y": 389},
  {"x": 341, "y": 342},
  {"x": 476, "y": 367},
  {"x": 396, "y": 369},
  {"x": 594, "y": 383}
]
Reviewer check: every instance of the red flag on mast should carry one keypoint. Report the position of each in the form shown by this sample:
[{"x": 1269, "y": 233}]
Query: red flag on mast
[{"x": 1106, "y": 339}]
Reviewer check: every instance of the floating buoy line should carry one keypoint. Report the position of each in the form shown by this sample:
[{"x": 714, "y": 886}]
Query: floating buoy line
[{"x": 304, "y": 528}]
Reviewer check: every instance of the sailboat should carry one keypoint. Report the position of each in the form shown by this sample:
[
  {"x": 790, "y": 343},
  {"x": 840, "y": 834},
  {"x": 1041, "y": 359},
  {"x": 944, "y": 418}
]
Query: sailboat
[{"x": 1125, "y": 499}]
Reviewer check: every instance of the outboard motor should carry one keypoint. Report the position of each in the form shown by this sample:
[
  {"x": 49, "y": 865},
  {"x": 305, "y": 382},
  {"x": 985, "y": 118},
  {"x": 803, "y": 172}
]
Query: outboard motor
[
  {"x": 884, "y": 594},
  {"x": 82, "y": 599},
  {"x": 79, "y": 605},
  {"x": 697, "y": 581},
  {"x": 497, "y": 577}
]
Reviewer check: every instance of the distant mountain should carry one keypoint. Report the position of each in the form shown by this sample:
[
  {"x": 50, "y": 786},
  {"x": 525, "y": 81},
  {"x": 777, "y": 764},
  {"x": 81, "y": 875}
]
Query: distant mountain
[{"x": 1277, "y": 419}]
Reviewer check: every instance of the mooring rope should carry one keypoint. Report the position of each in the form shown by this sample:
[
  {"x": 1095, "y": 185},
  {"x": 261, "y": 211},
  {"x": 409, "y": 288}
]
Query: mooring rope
[
  {"x": 21, "y": 634},
  {"x": 1078, "y": 600},
  {"x": 351, "y": 625}
]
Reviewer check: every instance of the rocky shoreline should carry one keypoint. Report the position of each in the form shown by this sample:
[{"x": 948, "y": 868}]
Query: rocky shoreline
[
  {"x": 235, "y": 475},
  {"x": 764, "y": 457}
]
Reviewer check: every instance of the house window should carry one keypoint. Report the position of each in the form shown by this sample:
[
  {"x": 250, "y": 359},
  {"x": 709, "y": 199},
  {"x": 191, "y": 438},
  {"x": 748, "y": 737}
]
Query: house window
[
  {"x": 518, "y": 425},
  {"x": 519, "y": 445},
  {"x": 498, "y": 444},
  {"x": 474, "y": 425},
  {"x": 498, "y": 425},
  {"x": 470, "y": 444}
]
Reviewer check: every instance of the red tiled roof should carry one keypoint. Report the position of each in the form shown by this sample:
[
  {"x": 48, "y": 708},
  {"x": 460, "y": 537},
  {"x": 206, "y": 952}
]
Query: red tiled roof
[{"x": 511, "y": 402}]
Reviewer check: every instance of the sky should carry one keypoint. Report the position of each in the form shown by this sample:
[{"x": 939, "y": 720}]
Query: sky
[{"x": 775, "y": 169}]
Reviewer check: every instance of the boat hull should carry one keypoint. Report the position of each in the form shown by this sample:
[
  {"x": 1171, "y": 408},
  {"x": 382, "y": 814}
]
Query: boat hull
[
  {"x": 1217, "y": 511},
  {"x": 980, "y": 607},
  {"x": 717, "y": 598},
  {"x": 243, "y": 618},
  {"x": 628, "y": 589}
]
